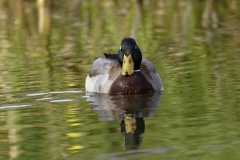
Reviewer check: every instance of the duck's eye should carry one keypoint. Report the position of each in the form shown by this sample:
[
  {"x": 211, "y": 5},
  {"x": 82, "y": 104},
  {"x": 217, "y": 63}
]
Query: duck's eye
[
  {"x": 135, "y": 47},
  {"x": 124, "y": 61},
  {"x": 130, "y": 61}
]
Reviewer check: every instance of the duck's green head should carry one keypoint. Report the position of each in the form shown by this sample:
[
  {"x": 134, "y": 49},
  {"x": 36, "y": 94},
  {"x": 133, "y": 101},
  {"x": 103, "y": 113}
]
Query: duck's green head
[{"x": 129, "y": 56}]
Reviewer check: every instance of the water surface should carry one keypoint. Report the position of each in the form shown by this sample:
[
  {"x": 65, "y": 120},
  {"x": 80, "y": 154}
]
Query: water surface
[{"x": 46, "y": 52}]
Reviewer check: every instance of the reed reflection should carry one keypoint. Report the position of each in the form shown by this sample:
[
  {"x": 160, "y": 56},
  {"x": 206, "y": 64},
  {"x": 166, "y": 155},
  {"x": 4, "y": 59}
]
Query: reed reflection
[{"x": 130, "y": 109}]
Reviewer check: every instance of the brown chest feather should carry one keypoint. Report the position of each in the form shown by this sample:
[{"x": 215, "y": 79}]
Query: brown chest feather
[{"x": 135, "y": 83}]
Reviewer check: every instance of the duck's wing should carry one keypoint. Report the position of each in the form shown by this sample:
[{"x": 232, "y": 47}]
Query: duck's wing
[
  {"x": 149, "y": 71},
  {"x": 102, "y": 74}
]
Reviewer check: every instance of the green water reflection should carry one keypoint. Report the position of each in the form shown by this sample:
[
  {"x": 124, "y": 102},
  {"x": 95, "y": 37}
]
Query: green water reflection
[{"x": 48, "y": 46}]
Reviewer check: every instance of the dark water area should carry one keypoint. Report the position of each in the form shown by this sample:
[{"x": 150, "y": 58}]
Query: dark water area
[{"x": 46, "y": 51}]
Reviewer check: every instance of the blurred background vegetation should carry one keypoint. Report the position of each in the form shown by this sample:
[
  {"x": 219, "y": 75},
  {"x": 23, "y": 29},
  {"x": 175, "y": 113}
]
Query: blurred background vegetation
[{"x": 52, "y": 43}]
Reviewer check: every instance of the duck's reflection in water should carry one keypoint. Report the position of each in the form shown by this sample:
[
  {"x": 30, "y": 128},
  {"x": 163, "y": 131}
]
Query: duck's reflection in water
[
  {"x": 132, "y": 128},
  {"x": 130, "y": 109}
]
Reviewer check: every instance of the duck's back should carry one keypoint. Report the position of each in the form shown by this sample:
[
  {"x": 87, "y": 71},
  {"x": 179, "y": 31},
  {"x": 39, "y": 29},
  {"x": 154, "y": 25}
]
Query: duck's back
[{"x": 104, "y": 77}]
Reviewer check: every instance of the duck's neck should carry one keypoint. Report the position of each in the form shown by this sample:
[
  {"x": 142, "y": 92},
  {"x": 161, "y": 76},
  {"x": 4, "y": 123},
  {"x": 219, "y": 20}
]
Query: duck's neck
[{"x": 137, "y": 70}]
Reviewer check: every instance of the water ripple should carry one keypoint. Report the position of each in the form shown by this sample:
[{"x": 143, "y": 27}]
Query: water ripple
[
  {"x": 15, "y": 106},
  {"x": 36, "y": 94},
  {"x": 63, "y": 100}
]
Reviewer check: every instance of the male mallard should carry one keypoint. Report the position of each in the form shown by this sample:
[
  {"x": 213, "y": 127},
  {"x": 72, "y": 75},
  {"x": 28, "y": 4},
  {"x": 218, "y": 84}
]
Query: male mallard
[{"x": 123, "y": 73}]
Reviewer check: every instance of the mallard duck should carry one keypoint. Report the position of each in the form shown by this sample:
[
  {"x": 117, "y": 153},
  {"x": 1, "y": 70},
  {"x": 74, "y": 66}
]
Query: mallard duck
[{"x": 123, "y": 73}]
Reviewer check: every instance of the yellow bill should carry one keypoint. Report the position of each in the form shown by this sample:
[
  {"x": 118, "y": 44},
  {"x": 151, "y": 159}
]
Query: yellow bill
[
  {"x": 130, "y": 125},
  {"x": 128, "y": 65}
]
